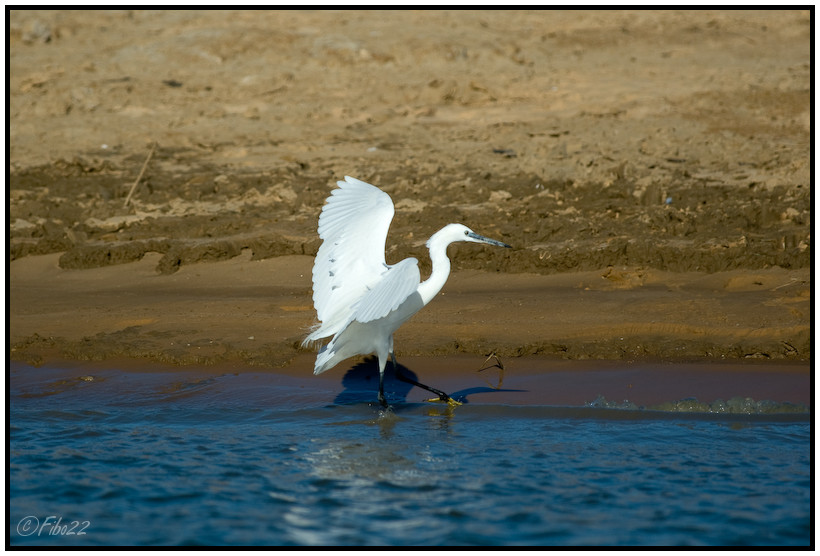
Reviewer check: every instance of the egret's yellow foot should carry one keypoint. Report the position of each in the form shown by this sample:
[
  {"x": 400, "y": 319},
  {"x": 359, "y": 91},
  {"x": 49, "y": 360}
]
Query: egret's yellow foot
[{"x": 449, "y": 401}]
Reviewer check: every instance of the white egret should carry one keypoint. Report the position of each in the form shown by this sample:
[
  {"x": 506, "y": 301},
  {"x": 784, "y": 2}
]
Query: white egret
[{"x": 360, "y": 300}]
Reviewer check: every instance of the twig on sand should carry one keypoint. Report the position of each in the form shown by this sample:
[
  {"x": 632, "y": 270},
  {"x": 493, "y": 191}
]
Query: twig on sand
[
  {"x": 144, "y": 166},
  {"x": 498, "y": 364},
  {"x": 789, "y": 283}
]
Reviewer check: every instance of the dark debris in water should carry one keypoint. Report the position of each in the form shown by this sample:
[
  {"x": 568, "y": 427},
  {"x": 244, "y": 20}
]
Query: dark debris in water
[{"x": 62, "y": 385}]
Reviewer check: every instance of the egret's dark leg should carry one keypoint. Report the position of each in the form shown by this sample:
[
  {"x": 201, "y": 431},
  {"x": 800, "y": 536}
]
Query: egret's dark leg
[
  {"x": 382, "y": 399},
  {"x": 399, "y": 375}
]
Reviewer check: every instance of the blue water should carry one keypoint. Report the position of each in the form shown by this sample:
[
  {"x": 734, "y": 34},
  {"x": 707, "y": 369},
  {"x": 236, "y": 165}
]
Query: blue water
[{"x": 236, "y": 461}]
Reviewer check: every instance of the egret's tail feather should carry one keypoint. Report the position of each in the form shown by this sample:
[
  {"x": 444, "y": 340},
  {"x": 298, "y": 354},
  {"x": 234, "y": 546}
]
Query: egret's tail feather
[
  {"x": 325, "y": 359},
  {"x": 309, "y": 341},
  {"x": 314, "y": 335}
]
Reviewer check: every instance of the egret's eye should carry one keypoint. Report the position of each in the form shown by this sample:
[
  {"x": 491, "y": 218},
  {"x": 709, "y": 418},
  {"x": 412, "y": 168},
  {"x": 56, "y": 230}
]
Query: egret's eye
[{"x": 466, "y": 233}]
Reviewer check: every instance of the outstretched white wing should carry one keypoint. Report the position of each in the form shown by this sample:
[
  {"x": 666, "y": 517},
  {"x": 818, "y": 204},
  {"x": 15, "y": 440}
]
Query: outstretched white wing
[
  {"x": 395, "y": 285},
  {"x": 353, "y": 226}
]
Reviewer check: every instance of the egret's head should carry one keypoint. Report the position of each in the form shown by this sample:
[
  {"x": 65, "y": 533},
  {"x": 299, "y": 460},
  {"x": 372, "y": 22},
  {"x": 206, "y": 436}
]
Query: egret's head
[{"x": 459, "y": 232}]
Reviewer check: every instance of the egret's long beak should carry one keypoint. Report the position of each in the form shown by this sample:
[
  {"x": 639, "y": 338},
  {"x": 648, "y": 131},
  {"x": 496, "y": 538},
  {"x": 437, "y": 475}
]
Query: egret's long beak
[{"x": 483, "y": 239}]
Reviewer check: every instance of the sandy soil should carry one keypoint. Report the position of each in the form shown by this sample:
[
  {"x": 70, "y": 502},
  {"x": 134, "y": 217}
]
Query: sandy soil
[{"x": 651, "y": 170}]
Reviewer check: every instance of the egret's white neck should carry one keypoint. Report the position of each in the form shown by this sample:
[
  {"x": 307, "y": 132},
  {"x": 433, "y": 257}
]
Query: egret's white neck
[{"x": 441, "y": 267}]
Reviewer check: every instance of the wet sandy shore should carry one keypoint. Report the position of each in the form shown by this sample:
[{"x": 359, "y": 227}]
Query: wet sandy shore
[
  {"x": 257, "y": 312},
  {"x": 562, "y": 339}
]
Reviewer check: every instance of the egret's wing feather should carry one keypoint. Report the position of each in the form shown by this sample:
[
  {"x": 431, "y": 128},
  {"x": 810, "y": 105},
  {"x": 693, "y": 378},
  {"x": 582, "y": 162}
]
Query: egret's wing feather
[
  {"x": 353, "y": 226},
  {"x": 396, "y": 284}
]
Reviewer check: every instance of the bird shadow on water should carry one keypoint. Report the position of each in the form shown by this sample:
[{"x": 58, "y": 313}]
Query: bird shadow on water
[{"x": 361, "y": 384}]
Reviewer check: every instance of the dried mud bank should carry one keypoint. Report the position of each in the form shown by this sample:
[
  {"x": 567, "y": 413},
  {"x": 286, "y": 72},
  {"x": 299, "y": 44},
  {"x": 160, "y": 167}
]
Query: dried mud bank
[{"x": 555, "y": 227}]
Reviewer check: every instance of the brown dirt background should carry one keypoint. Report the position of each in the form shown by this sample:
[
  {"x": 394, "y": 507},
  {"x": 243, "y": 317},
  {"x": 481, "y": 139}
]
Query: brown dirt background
[{"x": 650, "y": 168}]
